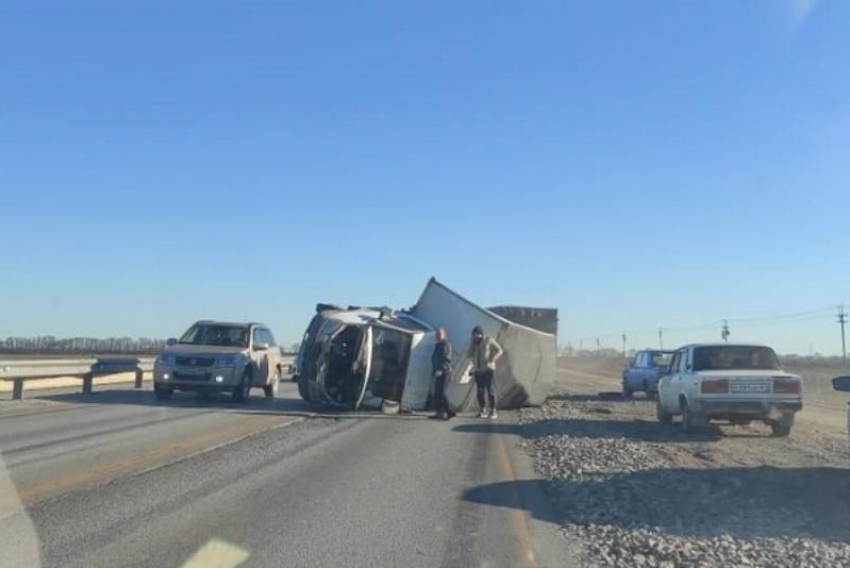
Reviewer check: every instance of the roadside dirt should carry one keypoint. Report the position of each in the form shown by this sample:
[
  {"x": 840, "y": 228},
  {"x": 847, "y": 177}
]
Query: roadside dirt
[{"x": 636, "y": 493}]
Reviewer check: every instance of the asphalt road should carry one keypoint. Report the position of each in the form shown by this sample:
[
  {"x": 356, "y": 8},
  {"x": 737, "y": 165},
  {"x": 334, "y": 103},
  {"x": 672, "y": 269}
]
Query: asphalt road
[{"x": 116, "y": 479}]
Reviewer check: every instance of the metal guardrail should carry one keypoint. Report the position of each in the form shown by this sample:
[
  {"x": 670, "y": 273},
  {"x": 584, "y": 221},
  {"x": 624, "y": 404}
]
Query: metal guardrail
[{"x": 21, "y": 370}]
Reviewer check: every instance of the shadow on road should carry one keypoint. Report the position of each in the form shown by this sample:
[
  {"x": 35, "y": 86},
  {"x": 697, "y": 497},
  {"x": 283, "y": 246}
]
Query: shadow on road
[{"x": 740, "y": 502}]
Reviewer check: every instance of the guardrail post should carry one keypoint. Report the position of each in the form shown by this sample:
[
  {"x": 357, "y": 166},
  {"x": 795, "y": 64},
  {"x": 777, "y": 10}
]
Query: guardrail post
[
  {"x": 18, "y": 389},
  {"x": 140, "y": 375},
  {"x": 87, "y": 381}
]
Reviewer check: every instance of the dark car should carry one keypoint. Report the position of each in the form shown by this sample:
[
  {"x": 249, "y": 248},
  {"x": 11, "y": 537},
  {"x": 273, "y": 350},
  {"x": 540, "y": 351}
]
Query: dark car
[{"x": 644, "y": 370}]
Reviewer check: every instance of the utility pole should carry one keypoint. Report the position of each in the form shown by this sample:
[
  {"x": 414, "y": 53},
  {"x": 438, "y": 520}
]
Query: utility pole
[
  {"x": 580, "y": 345},
  {"x": 598, "y": 347},
  {"x": 624, "y": 344},
  {"x": 725, "y": 333},
  {"x": 661, "y": 337},
  {"x": 842, "y": 319}
]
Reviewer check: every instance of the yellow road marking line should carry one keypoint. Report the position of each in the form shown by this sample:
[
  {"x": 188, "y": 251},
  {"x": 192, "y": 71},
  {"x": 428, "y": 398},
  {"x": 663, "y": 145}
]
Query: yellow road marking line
[{"x": 517, "y": 516}]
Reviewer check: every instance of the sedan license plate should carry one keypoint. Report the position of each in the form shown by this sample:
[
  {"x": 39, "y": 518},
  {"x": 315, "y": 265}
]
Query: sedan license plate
[
  {"x": 750, "y": 387},
  {"x": 192, "y": 372}
]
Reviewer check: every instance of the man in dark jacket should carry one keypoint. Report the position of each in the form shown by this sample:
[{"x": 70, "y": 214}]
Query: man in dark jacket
[{"x": 441, "y": 363}]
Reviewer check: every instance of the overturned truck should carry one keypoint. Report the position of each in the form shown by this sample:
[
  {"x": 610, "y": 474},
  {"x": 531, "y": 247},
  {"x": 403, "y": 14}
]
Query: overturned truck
[{"x": 369, "y": 357}]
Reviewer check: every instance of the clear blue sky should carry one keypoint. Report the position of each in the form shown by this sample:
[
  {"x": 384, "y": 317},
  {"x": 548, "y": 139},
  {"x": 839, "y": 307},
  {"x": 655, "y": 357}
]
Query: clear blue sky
[{"x": 634, "y": 164}]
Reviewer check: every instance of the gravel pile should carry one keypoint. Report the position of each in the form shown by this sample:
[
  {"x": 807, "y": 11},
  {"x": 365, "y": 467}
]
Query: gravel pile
[
  {"x": 611, "y": 546},
  {"x": 630, "y": 501}
]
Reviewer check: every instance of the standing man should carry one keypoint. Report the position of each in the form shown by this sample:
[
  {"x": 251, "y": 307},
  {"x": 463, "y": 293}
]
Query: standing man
[
  {"x": 483, "y": 353},
  {"x": 441, "y": 363}
]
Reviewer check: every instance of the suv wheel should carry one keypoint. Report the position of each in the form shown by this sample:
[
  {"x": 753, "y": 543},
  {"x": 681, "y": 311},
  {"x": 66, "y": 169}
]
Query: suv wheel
[
  {"x": 271, "y": 390},
  {"x": 162, "y": 393},
  {"x": 663, "y": 416},
  {"x": 242, "y": 392}
]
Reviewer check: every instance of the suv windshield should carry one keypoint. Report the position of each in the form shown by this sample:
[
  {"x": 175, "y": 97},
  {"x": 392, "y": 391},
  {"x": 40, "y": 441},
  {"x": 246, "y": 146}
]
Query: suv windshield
[
  {"x": 722, "y": 358},
  {"x": 216, "y": 334}
]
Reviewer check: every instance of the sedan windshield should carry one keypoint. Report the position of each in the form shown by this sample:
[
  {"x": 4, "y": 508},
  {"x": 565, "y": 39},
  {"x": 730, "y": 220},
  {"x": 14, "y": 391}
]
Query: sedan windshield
[
  {"x": 216, "y": 334},
  {"x": 661, "y": 358},
  {"x": 734, "y": 357}
]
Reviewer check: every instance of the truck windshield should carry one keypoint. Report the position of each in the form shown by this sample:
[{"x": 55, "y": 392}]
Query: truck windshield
[
  {"x": 734, "y": 357},
  {"x": 216, "y": 334}
]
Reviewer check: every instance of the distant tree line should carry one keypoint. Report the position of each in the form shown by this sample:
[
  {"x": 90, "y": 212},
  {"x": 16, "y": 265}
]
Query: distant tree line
[{"x": 50, "y": 344}]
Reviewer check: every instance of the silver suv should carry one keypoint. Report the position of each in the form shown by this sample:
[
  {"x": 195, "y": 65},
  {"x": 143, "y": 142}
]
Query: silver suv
[{"x": 214, "y": 357}]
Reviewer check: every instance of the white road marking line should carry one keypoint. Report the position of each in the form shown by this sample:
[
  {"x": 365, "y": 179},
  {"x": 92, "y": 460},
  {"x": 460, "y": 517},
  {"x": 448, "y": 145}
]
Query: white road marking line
[{"x": 217, "y": 554}]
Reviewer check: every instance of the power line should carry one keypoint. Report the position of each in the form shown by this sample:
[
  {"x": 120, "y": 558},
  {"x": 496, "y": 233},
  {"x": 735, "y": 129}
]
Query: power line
[
  {"x": 808, "y": 315},
  {"x": 783, "y": 316}
]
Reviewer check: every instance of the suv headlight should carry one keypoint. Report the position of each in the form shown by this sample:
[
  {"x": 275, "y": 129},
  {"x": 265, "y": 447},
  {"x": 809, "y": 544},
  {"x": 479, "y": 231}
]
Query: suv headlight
[
  {"x": 228, "y": 361},
  {"x": 166, "y": 359}
]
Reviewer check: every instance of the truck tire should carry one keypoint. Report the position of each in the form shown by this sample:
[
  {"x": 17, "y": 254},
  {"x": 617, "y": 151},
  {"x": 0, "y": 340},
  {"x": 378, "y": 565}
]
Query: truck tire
[
  {"x": 242, "y": 392},
  {"x": 663, "y": 416},
  {"x": 627, "y": 392},
  {"x": 782, "y": 428}
]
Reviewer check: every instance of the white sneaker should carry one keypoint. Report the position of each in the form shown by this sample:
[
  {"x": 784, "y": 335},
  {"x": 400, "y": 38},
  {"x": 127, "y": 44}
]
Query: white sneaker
[
  {"x": 482, "y": 414},
  {"x": 494, "y": 415}
]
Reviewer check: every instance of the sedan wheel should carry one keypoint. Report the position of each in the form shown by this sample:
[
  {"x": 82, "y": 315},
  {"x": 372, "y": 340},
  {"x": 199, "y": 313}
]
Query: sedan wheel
[
  {"x": 663, "y": 416},
  {"x": 782, "y": 428},
  {"x": 691, "y": 421}
]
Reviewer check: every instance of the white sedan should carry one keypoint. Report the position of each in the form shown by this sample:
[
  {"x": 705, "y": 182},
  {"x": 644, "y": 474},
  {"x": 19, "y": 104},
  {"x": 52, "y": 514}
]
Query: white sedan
[{"x": 732, "y": 382}]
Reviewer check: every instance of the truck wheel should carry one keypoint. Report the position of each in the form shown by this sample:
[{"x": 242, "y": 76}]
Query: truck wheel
[
  {"x": 242, "y": 392},
  {"x": 782, "y": 428},
  {"x": 691, "y": 421},
  {"x": 647, "y": 391},
  {"x": 271, "y": 390},
  {"x": 627, "y": 392},
  {"x": 162, "y": 393},
  {"x": 663, "y": 416}
]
